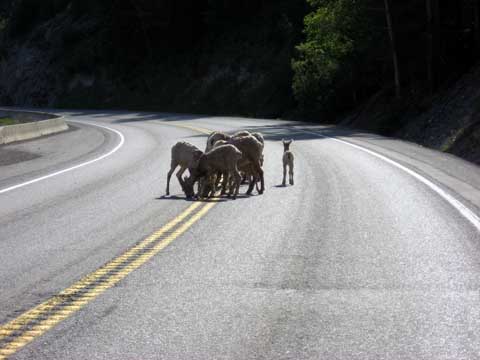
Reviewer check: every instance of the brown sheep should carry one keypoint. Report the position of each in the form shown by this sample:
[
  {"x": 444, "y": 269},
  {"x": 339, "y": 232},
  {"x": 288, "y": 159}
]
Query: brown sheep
[
  {"x": 186, "y": 156},
  {"x": 259, "y": 137},
  {"x": 252, "y": 158},
  {"x": 248, "y": 171},
  {"x": 214, "y": 137},
  {"x": 241, "y": 133},
  {"x": 222, "y": 159}
]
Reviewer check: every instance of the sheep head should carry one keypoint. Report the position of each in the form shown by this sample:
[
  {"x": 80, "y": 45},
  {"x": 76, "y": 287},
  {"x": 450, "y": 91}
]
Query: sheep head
[
  {"x": 188, "y": 187},
  {"x": 197, "y": 174},
  {"x": 286, "y": 144}
]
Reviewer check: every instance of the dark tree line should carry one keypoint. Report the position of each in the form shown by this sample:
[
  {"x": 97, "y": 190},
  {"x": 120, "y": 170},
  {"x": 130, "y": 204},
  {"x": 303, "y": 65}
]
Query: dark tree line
[
  {"x": 351, "y": 50},
  {"x": 157, "y": 26},
  {"x": 404, "y": 47},
  {"x": 447, "y": 35}
]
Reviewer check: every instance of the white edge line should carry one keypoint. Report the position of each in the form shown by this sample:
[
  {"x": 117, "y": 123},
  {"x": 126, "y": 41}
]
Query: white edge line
[
  {"x": 119, "y": 145},
  {"x": 464, "y": 210}
]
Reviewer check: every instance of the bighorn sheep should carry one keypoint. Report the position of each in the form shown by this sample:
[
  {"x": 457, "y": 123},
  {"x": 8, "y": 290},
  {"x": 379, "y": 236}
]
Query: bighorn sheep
[
  {"x": 222, "y": 159},
  {"x": 241, "y": 133},
  {"x": 287, "y": 162},
  {"x": 252, "y": 157},
  {"x": 259, "y": 137},
  {"x": 247, "y": 174},
  {"x": 256, "y": 135},
  {"x": 186, "y": 156},
  {"x": 251, "y": 145},
  {"x": 219, "y": 143},
  {"x": 214, "y": 137}
]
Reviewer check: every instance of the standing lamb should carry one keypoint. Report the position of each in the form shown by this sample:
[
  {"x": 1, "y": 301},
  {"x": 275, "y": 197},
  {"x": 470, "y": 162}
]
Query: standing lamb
[
  {"x": 186, "y": 156},
  {"x": 287, "y": 161}
]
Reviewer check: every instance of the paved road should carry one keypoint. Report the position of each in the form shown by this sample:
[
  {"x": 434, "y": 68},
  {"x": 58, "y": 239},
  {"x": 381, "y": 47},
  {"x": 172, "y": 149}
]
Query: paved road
[{"x": 358, "y": 260}]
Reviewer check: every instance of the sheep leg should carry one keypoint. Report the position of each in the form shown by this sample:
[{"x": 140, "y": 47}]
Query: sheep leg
[
  {"x": 201, "y": 189},
  {"x": 255, "y": 180},
  {"x": 238, "y": 180},
  {"x": 225, "y": 182},
  {"x": 244, "y": 178},
  {"x": 217, "y": 182},
  {"x": 202, "y": 186},
  {"x": 284, "y": 182},
  {"x": 259, "y": 171},
  {"x": 212, "y": 185},
  {"x": 169, "y": 175},
  {"x": 250, "y": 187},
  {"x": 231, "y": 183},
  {"x": 191, "y": 170},
  {"x": 179, "y": 175},
  {"x": 290, "y": 173},
  {"x": 252, "y": 177},
  {"x": 198, "y": 188},
  {"x": 256, "y": 183}
]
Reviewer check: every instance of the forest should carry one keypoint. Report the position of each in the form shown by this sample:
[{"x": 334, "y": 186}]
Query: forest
[
  {"x": 322, "y": 60},
  {"x": 355, "y": 49}
]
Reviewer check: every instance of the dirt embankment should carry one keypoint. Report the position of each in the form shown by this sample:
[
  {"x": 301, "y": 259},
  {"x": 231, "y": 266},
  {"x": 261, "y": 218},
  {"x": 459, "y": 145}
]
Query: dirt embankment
[
  {"x": 449, "y": 121},
  {"x": 452, "y": 124}
]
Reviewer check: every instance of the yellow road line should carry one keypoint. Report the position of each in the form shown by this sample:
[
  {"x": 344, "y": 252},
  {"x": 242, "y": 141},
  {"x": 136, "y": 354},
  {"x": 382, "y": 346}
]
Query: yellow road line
[
  {"x": 194, "y": 128},
  {"x": 7, "y": 329},
  {"x": 32, "y": 324},
  {"x": 25, "y": 328}
]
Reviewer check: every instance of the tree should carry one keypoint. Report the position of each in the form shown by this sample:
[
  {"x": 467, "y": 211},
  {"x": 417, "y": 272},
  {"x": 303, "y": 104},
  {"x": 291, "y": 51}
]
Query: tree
[
  {"x": 339, "y": 56},
  {"x": 433, "y": 35},
  {"x": 393, "y": 46},
  {"x": 476, "y": 25}
]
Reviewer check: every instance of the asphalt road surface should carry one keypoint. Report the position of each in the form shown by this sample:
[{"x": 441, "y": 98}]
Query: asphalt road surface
[{"x": 374, "y": 253}]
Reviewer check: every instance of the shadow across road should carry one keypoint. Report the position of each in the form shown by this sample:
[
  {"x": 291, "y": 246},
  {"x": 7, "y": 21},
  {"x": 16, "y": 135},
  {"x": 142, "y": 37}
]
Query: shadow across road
[{"x": 276, "y": 131}]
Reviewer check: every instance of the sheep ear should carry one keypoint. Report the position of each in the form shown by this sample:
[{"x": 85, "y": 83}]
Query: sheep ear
[
  {"x": 283, "y": 141},
  {"x": 291, "y": 140}
]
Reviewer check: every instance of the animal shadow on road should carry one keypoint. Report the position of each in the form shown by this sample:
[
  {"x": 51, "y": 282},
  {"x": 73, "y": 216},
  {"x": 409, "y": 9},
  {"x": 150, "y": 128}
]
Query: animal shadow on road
[
  {"x": 173, "y": 197},
  {"x": 210, "y": 200}
]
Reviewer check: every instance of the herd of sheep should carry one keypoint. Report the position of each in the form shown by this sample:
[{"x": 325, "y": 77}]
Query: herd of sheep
[{"x": 228, "y": 160}]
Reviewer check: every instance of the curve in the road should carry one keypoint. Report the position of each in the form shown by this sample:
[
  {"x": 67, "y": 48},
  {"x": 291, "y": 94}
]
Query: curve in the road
[
  {"x": 459, "y": 206},
  {"x": 35, "y": 322},
  {"x": 290, "y": 287},
  {"x": 114, "y": 150}
]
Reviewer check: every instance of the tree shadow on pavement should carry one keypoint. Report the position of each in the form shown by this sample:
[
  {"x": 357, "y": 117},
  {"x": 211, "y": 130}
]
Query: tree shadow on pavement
[{"x": 298, "y": 130}]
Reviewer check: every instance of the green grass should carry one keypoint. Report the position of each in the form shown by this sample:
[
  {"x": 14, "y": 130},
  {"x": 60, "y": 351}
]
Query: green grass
[
  {"x": 7, "y": 121},
  {"x": 448, "y": 144}
]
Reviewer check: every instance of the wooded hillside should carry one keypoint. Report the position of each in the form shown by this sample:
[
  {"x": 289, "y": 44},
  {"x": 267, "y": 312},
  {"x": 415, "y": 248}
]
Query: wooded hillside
[
  {"x": 354, "y": 49},
  {"x": 381, "y": 62}
]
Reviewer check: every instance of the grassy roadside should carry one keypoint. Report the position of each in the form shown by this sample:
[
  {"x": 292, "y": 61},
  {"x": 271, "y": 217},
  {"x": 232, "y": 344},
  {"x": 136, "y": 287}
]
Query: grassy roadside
[{"x": 7, "y": 121}]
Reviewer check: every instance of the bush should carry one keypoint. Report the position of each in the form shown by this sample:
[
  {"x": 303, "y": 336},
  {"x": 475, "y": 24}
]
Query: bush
[{"x": 339, "y": 42}]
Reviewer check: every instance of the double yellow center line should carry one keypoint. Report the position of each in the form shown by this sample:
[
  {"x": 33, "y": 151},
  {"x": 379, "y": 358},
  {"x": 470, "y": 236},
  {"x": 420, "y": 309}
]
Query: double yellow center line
[
  {"x": 35, "y": 322},
  {"x": 22, "y": 330}
]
